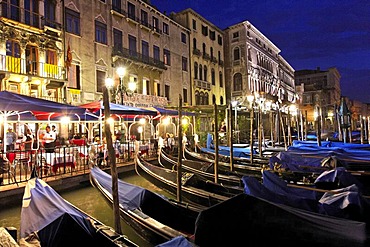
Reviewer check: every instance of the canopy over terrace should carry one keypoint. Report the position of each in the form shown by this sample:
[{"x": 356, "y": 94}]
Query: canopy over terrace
[{"x": 13, "y": 104}]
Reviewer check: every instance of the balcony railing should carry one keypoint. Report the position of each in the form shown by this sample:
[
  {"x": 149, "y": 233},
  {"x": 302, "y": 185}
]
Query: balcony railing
[
  {"x": 221, "y": 62},
  {"x": 28, "y": 67},
  {"x": 196, "y": 52},
  {"x": 206, "y": 56},
  {"x": 138, "y": 57},
  {"x": 202, "y": 84},
  {"x": 213, "y": 60},
  {"x": 28, "y": 17}
]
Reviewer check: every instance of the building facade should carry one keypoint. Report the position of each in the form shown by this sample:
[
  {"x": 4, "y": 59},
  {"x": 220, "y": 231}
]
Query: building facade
[
  {"x": 320, "y": 93},
  {"x": 108, "y": 35},
  {"x": 206, "y": 58},
  {"x": 32, "y": 60}
]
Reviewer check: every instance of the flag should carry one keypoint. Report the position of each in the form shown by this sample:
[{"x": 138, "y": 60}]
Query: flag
[{"x": 68, "y": 61}]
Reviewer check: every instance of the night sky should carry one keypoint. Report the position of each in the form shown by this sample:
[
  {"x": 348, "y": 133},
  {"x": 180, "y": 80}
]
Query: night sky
[{"x": 310, "y": 34}]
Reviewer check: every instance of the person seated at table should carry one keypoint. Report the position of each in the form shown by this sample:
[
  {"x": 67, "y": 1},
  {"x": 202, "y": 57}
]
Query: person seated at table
[
  {"x": 49, "y": 140},
  {"x": 100, "y": 151}
]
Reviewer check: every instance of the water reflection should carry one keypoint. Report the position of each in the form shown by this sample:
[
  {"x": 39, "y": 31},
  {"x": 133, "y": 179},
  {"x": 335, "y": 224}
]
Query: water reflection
[{"x": 92, "y": 202}]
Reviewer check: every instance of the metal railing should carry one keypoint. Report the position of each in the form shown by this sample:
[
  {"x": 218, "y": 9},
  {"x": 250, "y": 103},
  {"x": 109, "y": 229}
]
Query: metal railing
[
  {"x": 29, "y": 67},
  {"x": 16, "y": 166}
]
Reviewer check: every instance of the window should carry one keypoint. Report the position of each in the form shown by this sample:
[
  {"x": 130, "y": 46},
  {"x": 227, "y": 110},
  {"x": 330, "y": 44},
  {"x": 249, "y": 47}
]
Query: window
[
  {"x": 14, "y": 10},
  {"x": 31, "y": 59},
  {"x": 212, "y": 35},
  {"x": 213, "y": 77},
  {"x": 72, "y": 21},
  {"x": 200, "y": 72},
  {"x": 166, "y": 57},
  {"x": 144, "y": 18},
  {"x": 145, "y": 50},
  {"x": 211, "y": 51},
  {"x": 195, "y": 70},
  {"x": 184, "y": 63},
  {"x": 49, "y": 7},
  {"x": 238, "y": 86},
  {"x": 157, "y": 88},
  {"x": 235, "y": 35},
  {"x": 204, "y": 30},
  {"x": 219, "y": 39},
  {"x": 236, "y": 54},
  {"x": 131, "y": 11},
  {"x": 156, "y": 53},
  {"x": 132, "y": 45},
  {"x": 205, "y": 73},
  {"x": 100, "y": 81},
  {"x": 183, "y": 38},
  {"x": 74, "y": 76},
  {"x": 13, "y": 49},
  {"x": 100, "y": 32},
  {"x": 194, "y": 43},
  {"x": 204, "y": 48},
  {"x": 166, "y": 28},
  {"x": 116, "y": 5},
  {"x": 185, "y": 95},
  {"x": 221, "y": 79},
  {"x": 213, "y": 99},
  {"x": 51, "y": 57},
  {"x": 155, "y": 24},
  {"x": 167, "y": 92},
  {"x": 194, "y": 24},
  {"x": 31, "y": 10},
  {"x": 219, "y": 56},
  {"x": 117, "y": 39}
]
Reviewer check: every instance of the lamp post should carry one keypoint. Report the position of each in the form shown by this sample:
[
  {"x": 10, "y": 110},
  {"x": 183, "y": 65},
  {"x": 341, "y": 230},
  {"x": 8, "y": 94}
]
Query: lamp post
[
  {"x": 235, "y": 105},
  {"x": 121, "y": 71},
  {"x": 250, "y": 99},
  {"x": 111, "y": 156}
]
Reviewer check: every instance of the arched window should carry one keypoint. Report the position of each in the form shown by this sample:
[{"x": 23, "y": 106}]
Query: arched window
[
  {"x": 206, "y": 99},
  {"x": 197, "y": 99},
  {"x": 195, "y": 70},
  {"x": 213, "y": 99},
  {"x": 201, "y": 96},
  {"x": 238, "y": 82},
  {"x": 221, "y": 100},
  {"x": 211, "y": 51},
  {"x": 213, "y": 77},
  {"x": 194, "y": 43},
  {"x": 200, "y": 72},
  {"x": 236, "y": 53},
  {"x": 205, "y": 73},
  {"x": 204, "y": 49},
  {"x": 221, "y": 79}
]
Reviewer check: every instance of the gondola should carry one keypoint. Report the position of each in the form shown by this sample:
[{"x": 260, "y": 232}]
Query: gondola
[
  {"x": 204, "y": 169},
  {"x": 195, "y": 189},
  {"x": 155, "y": 218},
  {"x": 49, "y": 220},
  {"x": 246, "y": 169}
]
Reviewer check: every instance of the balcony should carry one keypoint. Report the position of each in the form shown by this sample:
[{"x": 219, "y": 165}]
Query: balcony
[
  {"x": 206, "y": 56},
  {"x": 221, "y": 62},
  {"x": 214, "y": 60},
  {"x": 137, "y": 57},
  {"x": 196, "y": 52},
  {"x": 202, "y": 84},
  {"x": 34, "y": 68}
]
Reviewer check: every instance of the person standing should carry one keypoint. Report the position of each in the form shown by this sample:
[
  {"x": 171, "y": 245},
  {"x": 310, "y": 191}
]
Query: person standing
[
  {"x": 10, "y": 139},
  {"x": 49, "y": 139},
  {"x": 28, "y": 140},
  {"x": 53, "y": 129}
]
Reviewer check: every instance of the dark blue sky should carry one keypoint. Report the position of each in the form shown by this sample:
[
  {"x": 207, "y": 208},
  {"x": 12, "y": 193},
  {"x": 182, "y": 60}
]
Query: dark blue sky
[{"x": 310, "y": 34}]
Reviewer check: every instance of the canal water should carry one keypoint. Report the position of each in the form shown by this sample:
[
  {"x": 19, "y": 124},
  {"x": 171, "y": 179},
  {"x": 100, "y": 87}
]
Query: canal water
[{"x": 93, "y": 203}]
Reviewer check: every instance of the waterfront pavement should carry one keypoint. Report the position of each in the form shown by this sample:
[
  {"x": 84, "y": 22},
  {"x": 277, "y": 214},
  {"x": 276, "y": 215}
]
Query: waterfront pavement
[{"x": 12, "y": 194}]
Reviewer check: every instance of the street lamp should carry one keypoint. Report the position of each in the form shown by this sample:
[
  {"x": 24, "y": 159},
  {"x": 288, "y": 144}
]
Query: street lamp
[{"x": 121, "y": 71}]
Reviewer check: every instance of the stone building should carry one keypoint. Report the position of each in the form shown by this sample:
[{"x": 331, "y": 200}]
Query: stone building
[
  {"x": 206, "y": 59},
  {"x": 105, "y": 35},
  {"x": 320, "y": 93},
  {"x": 255, "y": 68},
  {"x": 32, "y": 48}
]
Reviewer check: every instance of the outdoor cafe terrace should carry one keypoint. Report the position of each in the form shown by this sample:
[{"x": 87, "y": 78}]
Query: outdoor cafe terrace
[{"x": 17, "y": 165}]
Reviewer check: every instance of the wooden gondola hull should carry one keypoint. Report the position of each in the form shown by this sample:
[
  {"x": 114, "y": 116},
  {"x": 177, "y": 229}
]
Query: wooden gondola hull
[
  {"x": 144, "y": 210},
  {"x": 194, "y": 189}
]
